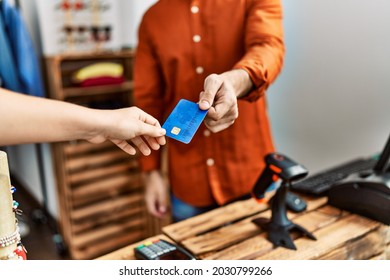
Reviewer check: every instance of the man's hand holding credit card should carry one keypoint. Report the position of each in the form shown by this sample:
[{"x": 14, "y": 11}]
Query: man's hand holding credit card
[{"x": 184, "y": 121}]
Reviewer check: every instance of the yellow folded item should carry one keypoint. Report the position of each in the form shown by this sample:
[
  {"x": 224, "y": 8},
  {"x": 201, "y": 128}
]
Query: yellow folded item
[{"x": 101, "y": 69}]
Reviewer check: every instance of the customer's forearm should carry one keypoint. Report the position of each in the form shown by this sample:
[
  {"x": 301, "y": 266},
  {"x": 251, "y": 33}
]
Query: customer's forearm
[{"x": 26, "y": 119}]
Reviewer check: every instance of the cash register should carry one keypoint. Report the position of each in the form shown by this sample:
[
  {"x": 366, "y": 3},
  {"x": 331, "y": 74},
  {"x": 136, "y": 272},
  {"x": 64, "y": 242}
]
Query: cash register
[
  {"x": 361, "y": 186},
  {"x": 366, "y": 192}
]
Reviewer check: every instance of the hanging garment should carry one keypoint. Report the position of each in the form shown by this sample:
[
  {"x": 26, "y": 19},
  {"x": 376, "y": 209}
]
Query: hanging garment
[
  {"x": 8, "y": 71},
  {"x": 23, "y": 53}
]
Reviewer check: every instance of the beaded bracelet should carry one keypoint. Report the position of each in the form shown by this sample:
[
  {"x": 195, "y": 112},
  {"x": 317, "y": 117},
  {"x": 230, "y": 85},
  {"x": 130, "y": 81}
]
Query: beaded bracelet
[
  {"x": 11, "y": 239},
  {"x": 19, "y": 253}
]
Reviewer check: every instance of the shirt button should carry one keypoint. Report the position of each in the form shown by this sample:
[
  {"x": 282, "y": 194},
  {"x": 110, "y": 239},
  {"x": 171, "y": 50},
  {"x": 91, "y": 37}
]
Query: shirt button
[
  {"x": 199, "y": 70},
  {"x": 210, "y": 162},
  {"x": 206, "y": 133},
  {"x": 196, "y": 38},
  {"x": 194, "y": 9}
]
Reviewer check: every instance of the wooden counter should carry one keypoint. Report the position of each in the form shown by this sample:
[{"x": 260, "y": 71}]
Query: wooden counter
[{"x": 228, "y": 233}]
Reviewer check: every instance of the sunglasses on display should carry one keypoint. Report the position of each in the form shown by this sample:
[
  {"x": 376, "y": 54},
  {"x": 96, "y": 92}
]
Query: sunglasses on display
[{"x": 67, "y": 5}]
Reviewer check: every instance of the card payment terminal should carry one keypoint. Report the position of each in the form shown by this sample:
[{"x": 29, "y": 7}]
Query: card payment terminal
[{"x": 161, "y": 250}]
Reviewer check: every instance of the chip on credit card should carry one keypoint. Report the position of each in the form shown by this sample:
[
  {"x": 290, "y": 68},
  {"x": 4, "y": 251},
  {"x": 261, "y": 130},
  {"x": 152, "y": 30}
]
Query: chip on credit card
[{"x": 184, "y": 121}]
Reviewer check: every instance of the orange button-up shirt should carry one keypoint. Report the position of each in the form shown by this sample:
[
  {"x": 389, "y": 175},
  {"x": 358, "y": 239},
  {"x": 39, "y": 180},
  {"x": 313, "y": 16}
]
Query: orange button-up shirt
[{"x": 181, "y": 42}]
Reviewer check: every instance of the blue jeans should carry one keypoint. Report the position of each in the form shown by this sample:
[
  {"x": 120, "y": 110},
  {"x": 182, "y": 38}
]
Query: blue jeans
[{"x": 182, "y": 210}]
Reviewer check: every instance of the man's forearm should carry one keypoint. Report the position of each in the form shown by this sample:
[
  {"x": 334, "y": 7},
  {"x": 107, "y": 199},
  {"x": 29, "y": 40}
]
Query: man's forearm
[{"x": 240, "y": 81}]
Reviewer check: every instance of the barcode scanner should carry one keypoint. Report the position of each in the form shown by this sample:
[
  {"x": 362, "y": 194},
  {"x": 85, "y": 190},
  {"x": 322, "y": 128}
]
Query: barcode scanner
[{"x": 279, "y": 166}]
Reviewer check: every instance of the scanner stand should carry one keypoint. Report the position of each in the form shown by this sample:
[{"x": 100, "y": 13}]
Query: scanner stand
[{"x": 279, "y": 226}]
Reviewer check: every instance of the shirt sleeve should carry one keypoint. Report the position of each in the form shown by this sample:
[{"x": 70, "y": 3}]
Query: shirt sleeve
[
  {"x": 148, "y": 91},
  {"x": 264, "y": 45}
]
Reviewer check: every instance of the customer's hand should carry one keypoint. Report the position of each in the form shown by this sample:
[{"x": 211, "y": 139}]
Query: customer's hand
[
  {"x": 133, "y": 124},
  {"x": 156, "y": 191}
]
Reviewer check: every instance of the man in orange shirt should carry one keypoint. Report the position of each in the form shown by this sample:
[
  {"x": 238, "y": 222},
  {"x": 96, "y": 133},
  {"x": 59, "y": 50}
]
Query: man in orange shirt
[{"x": 224, "y": 55}]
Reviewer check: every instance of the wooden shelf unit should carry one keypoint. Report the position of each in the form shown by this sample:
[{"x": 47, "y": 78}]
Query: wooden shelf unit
[{"x": 100, "y": 194}]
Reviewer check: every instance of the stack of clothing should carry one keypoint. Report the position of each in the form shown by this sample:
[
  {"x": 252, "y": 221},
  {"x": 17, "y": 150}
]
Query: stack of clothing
[{"x": 97, "y": 74}]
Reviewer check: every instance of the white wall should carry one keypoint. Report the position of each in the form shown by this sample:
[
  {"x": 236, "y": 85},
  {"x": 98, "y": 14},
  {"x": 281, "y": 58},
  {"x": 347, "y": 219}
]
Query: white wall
[
  {"x": 131, "y": 14},
  {"x": 331, "y": 102}
]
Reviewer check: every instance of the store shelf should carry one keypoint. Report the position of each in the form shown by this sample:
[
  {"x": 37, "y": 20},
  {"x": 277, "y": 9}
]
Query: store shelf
[
  {"x": 99, "y": 187},
  {"x": 97, "y": 90}
]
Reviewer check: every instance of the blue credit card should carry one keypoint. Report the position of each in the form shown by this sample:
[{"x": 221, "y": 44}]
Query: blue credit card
[{"x": 184, "y": 121}]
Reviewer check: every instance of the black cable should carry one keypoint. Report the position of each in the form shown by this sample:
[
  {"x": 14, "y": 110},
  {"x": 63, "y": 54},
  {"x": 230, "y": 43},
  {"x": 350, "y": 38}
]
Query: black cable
[{"x": 383, "y": 161}]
